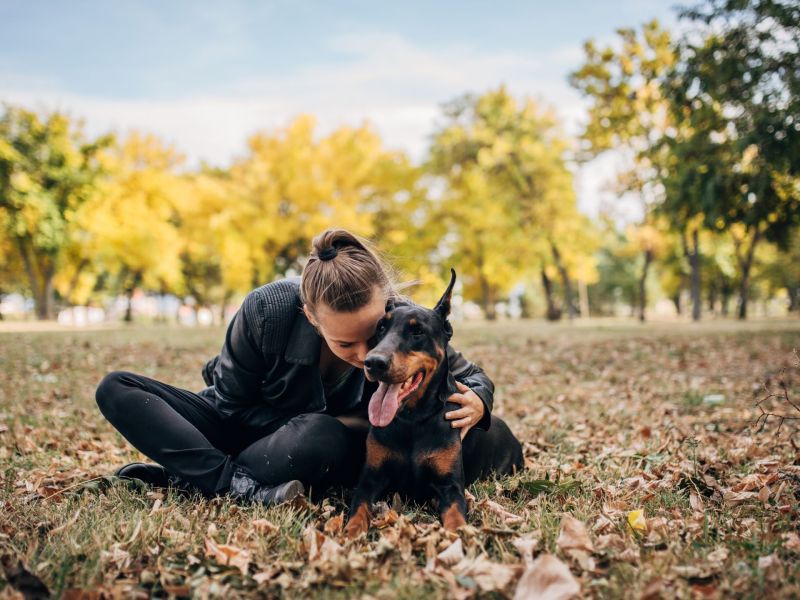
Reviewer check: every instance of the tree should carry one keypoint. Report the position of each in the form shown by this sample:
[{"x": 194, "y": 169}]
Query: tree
[
  {"x": 292, "y": 186},
  {"x": 630, "y": 113},
  {"x": 131, "y": 223},
  {"x": 48, "y": 171},
  {"x": 743, "y": 66},
  {"x": 512, "y": 154}
]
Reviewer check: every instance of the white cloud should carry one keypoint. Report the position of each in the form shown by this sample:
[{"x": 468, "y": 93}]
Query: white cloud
[{"x": 385, "y": 79}]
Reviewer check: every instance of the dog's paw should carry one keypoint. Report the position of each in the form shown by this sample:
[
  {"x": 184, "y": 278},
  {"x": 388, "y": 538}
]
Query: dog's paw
[
  {"x": 358, "y": 524},
  {"x": 452, "y": 519}
]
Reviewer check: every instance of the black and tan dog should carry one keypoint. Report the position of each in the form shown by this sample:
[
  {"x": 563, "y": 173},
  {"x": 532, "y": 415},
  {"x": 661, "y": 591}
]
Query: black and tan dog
[{"x": 411, "y": 448}]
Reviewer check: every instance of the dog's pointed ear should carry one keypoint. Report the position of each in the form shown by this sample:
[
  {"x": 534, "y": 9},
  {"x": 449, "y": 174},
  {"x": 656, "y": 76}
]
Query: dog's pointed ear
[
  {"x": 442, "y": 307},
  {"x": 389, "y": 305}
]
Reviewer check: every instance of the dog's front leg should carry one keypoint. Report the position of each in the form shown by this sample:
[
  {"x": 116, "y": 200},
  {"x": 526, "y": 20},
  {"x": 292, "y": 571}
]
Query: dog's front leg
[
  {"x": 371, "y": 486},
  {"x": 452, "y": 503},
  {"x": 374, "y": 481}
]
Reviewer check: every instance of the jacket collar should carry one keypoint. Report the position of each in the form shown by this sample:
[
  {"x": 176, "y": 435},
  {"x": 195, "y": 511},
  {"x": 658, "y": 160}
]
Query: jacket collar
[{"x": 304, "y": 342}]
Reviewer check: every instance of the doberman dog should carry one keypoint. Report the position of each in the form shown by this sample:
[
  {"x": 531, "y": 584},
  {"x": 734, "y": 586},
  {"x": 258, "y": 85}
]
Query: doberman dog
[{"x": 411, "y": 448}]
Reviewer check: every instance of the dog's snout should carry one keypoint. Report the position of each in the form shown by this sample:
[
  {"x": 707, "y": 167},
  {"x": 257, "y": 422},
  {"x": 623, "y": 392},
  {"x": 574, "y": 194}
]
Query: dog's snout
[{"x": 376, "y": 363}]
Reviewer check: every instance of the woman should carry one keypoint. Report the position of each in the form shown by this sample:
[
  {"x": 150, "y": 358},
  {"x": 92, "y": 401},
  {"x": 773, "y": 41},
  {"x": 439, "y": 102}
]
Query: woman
[{"x": 286, "y": 402}]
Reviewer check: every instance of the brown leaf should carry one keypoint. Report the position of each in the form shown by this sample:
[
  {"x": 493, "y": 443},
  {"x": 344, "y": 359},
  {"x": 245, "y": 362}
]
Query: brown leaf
[
  {"x": 494, "y": 507},
  {"x": 488, "y": 576},
  {"x": 228, "y": 555},
  {"x": 547, "y": 579},
  {"x": 333, "y": 526},
  {"x": 573, "y": 535},
  {"x": 791, "y": 541},
  {"x": 264, "y": 527},
  {"x": 453, "y": 554},
  {"x": 526, "y": 546}
]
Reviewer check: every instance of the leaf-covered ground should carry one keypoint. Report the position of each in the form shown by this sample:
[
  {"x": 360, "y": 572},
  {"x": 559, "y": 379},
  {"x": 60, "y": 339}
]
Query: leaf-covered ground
[{"x": 645, "y": 477}]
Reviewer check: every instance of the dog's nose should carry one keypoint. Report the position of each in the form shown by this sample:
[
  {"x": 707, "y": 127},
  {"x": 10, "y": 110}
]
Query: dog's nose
[{"x": 376, "y": 363}]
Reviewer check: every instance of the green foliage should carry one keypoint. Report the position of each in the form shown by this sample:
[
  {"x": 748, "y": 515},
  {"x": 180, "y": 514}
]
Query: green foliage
[{"x": 48, "y": 170}]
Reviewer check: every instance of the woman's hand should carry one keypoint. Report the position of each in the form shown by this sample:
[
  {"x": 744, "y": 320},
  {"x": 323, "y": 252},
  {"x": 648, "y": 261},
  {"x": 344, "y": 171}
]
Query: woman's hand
[{"x": 471, "y": 410}]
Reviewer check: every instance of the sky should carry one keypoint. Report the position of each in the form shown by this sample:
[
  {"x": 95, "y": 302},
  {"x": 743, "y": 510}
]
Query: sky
[{"x": 204, "y": 76}]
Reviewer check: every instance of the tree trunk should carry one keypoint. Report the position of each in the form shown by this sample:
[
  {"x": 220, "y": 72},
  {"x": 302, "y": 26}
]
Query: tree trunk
[
  {"x": 129, "y": 295},
  {"x": 794, "y": 297},
  {"x": 73, "y": 283},
  {"x": 583, "y": 295},
  {"x": 745, "y": 264},
  {"x": 712, "y": 297},
  {"x": 693, "y": 254},
  {"x": 553, "y": 312},
  {"x": 565, "y": 281},
  {"x": 676, "y": 300},
  {"x": 648, "y": 258},
  {"x": 725, "y": 299},
  {"x": 487, "y": 299},
  {"x": 39, "y": 301}
]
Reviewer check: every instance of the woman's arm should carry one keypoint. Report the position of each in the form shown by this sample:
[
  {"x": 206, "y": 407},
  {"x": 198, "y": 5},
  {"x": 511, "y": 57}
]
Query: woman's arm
[
  {"x": 472, "y": 376},
  {"x": 238, "y": 372}
]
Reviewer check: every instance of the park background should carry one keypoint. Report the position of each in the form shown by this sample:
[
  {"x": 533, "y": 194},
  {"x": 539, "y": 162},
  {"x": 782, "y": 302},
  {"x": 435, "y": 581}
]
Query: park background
[
  {"x": 565, "y": 165},
  {"x": 582, "y": 165}
]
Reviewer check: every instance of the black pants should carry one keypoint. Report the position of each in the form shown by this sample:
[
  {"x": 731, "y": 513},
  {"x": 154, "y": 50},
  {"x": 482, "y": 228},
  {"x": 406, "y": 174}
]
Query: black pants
[{"x": 183, "y": 432}]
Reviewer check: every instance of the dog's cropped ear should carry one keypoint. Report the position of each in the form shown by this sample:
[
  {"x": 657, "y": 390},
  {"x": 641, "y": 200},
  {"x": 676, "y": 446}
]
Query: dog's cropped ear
[
  {"x": 389, "y": 305},
  {"x": 442, "y": 307}
]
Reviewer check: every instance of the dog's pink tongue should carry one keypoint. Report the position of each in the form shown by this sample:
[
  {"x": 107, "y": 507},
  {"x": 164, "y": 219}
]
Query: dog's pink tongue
[{"x": 384, "y": 404}]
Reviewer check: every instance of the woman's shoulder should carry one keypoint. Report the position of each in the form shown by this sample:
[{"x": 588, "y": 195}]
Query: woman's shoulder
[{"x": 271, "y": 310}]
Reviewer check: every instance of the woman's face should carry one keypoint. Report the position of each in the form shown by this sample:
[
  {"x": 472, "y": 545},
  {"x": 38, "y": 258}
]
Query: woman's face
[{"x": 348, "y": 333}]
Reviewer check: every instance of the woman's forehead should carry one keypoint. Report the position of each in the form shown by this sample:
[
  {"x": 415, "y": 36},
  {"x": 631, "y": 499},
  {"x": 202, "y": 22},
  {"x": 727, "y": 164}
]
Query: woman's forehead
[{"x": 352, "y": 326}]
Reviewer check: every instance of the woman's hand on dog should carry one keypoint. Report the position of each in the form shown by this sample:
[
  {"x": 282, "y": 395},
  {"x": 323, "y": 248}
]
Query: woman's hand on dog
[{"x": 471, "y": 410}]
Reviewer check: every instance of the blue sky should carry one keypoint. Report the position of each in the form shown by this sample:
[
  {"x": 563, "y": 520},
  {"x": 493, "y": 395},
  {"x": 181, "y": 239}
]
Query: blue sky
[{"x": 205, "y": 75}]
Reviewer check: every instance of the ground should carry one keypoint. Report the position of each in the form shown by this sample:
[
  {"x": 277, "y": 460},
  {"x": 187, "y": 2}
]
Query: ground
[{"x": 646, "y": 476}]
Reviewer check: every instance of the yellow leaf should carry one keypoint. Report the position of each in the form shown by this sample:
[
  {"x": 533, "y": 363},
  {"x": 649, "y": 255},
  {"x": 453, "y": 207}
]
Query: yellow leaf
[{"x": 637, "y": 521}]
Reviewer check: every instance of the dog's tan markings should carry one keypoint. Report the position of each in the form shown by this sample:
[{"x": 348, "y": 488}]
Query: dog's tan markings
[
  {"x": 452, "y": 519},
  {"x": 416, "y": 361},
  {"x": 412, "y": 322},
  {"x": 442, "y": 461},
  {"x": 377, "y": 453},
  {"x": 440, "y": 353},
  {"x": 359, "y": 523}
]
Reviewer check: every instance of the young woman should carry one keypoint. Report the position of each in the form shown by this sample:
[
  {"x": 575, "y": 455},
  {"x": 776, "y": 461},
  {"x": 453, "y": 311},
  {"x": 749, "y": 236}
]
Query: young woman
[{"x": 286, "y": 402}]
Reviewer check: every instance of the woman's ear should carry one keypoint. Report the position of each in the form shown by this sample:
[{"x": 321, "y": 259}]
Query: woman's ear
[{"x": 309, "y": 316}]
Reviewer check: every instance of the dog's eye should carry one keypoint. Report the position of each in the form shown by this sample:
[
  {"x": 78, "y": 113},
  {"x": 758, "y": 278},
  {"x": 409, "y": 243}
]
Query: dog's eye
[
  {"x": 417, "y": 330},
  {"x": 381, "y": 328}
]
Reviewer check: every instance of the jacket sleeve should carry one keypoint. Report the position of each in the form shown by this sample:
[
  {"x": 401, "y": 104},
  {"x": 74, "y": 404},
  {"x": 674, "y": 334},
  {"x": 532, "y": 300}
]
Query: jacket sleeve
[
  {"x": 475, "y": 379},
  {"x": 238, "y": 371}
]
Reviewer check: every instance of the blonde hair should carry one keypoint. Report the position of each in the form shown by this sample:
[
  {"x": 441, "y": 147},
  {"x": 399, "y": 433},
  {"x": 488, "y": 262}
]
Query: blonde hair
[{"x": 343, "y": 271}]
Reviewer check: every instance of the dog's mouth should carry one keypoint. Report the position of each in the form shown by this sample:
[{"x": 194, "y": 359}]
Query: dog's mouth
[{"x": 386, "y": 400}]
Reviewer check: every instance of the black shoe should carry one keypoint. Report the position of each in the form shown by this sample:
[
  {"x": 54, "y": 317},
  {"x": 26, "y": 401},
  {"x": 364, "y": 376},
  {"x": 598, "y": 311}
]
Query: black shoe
[
  {"x": 154, "y": 475},
  {"x": 244, "y": 487}
]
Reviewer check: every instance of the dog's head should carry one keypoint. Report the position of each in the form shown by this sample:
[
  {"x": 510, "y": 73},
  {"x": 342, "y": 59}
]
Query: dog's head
[{"x": 410, "y": 345}]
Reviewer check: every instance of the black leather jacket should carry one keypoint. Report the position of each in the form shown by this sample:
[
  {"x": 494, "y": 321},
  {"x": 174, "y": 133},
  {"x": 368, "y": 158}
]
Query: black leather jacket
[{"x": 268, "y": 368}]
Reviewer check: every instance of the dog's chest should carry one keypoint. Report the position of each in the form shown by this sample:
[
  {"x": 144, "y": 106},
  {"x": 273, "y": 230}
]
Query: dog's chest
[{"x": 421, "y": 457}]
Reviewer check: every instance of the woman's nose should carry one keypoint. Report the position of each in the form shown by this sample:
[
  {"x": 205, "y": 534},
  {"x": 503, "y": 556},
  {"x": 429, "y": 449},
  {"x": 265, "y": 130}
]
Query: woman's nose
[{"x": 363, "y": 350}]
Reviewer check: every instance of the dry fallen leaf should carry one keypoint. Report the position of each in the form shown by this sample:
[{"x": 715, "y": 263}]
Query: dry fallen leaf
[
  {"x": 228, "y": 555},
  {"x": 573, "y": 535},
  {"x": 772, "y": 567},
  {"x": 488, "y": 576},
  {"x": 791, "y": 541},
  {"x": 333, "y": 526},
  {"x": 547, "y": 578},
  {"x": 452, "y": 555},
  {"x": 526, "y": 546},
  {"x": 494, "y": 507},
  {"x": 264, "y": 527}
]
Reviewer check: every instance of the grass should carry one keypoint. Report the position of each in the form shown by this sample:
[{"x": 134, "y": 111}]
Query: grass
[{"x": 612, "y": 414}]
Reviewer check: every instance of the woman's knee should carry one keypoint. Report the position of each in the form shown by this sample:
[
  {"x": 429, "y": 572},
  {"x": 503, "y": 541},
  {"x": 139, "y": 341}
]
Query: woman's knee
[
  {"x": 110, "y": 391},
  {"x": 321, "y": 438}
]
